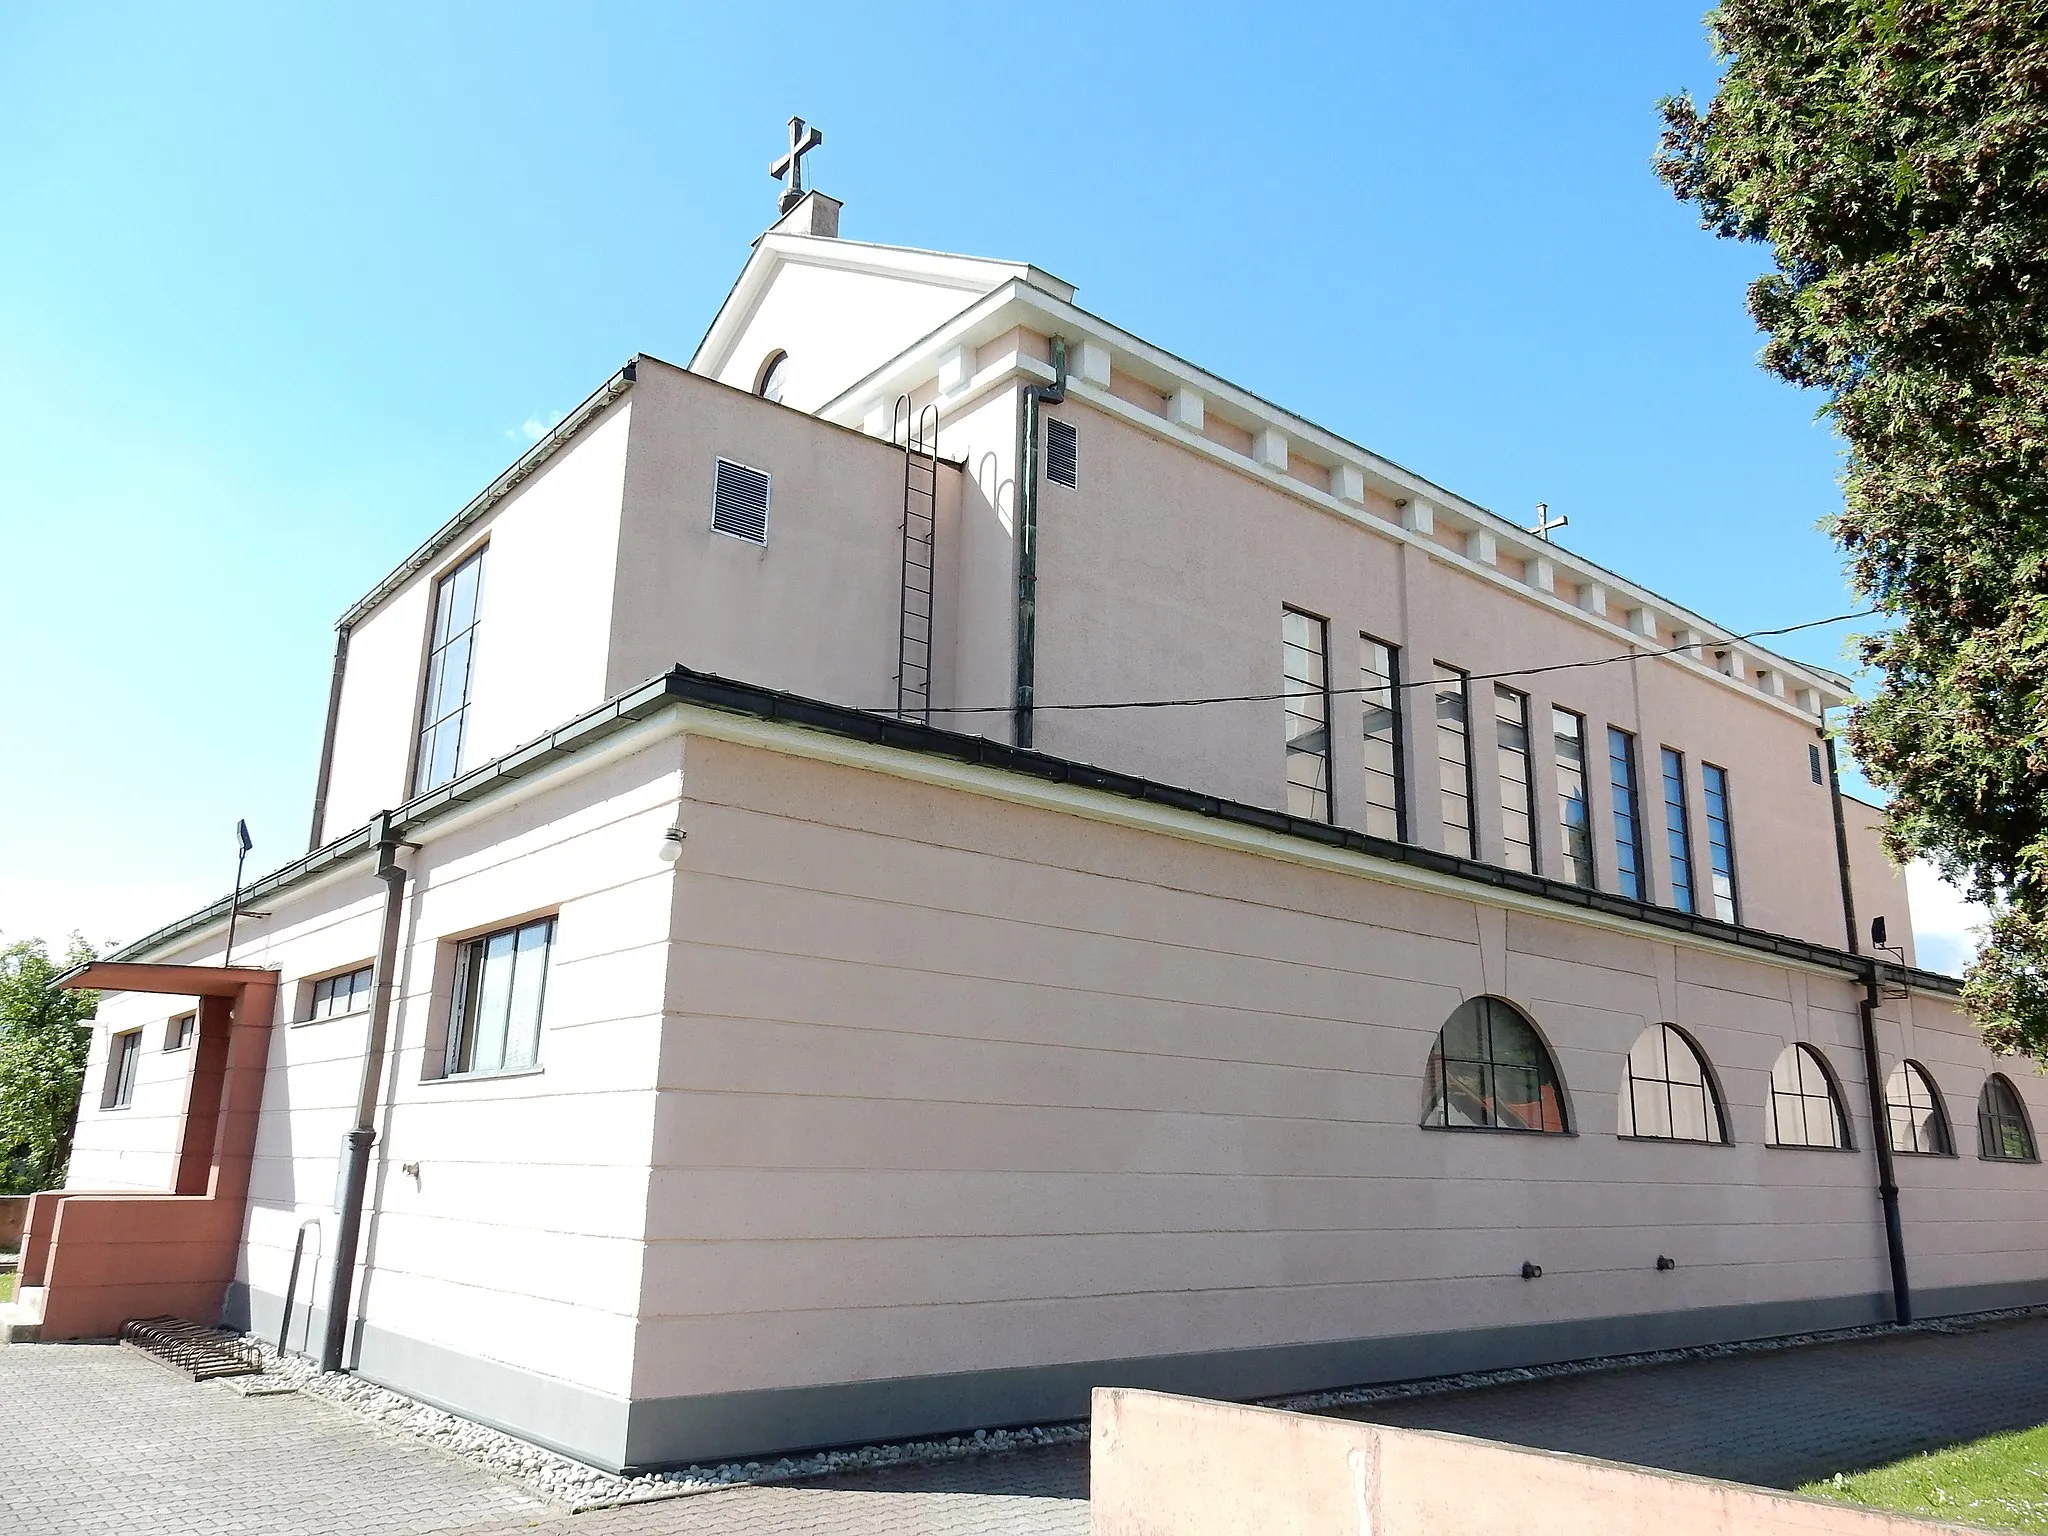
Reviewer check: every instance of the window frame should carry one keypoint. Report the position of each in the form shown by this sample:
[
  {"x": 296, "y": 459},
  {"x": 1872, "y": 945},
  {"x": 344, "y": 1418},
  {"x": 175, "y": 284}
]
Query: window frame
[
  {"x": 181, "y": 1031},
  {"x": 1638, "y": 870},
  {"x": 468, "y": 982},
  {"x": 2018, "y": 1116},
  {"x": 124, "y": 1061},
  {"x": 1582, "y": 868},
  {"x": 1710, "y": 773},
  {"x": 1437, "y": 1098},
  {"x": 1906, "y": 1069},
  {"x": 437, "y": 646},
  {"x": 777, "y": 357},
  {"x": 1505, "y": 755},
  {"x": 1716, "y": 1100},
  {"x": 1458, "y": 684},
  {"x": 309, "y": 1008},
  {"x": 1396, "y": 730},
  {"x": 1308, "y": 689},
  {"x": 1678, "y": 848},
  {"x": 1838, "y": 1103}
]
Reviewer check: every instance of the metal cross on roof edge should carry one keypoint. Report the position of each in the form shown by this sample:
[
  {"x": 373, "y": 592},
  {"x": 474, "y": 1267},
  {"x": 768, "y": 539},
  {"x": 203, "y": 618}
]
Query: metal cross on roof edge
[{"x": 802, "y": 140}]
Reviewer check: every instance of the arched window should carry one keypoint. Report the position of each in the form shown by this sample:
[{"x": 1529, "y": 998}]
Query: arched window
[
  {"x": 1490, "y": 1071},
  {"x": 2002, "y": 1129},
  {"x": 1667, "y": 1093},
  {"x": 1805, "y": 1109},
  {"x": 1919, "y": 1122},
  {"x": 774, "y": 373}
]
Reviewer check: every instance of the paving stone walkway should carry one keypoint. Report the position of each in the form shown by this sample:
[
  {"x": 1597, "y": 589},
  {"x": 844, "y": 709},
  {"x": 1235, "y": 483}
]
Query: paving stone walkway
[{"x": 94, "y": 1438}]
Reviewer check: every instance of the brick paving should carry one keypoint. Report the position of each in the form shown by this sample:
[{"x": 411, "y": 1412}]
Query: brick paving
[{"x": 99, "y": 1439}]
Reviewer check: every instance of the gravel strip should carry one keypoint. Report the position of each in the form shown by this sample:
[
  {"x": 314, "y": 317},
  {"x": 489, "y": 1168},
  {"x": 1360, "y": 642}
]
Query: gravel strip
[{"x": 583, "y": 1487}]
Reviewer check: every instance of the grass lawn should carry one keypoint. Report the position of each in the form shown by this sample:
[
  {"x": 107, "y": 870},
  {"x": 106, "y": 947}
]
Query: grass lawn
[
  {"x": 7, "y": 1286},
  {"x": 2001, "y": 1482}
]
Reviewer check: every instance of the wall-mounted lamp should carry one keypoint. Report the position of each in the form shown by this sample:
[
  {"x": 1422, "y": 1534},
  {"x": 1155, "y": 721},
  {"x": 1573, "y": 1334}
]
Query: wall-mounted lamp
[
  {"x": 1531, "y": 1271},
  {"x": 1664, "y": 1262},
  {"x": 672, "y": 845}
]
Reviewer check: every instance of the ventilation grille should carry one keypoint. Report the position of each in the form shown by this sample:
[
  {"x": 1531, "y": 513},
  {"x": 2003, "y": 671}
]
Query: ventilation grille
[
  {"x": 739, "y": 505},
  {"x": 1813, "y": 764},
  {"x": 1062, "y": 453}
]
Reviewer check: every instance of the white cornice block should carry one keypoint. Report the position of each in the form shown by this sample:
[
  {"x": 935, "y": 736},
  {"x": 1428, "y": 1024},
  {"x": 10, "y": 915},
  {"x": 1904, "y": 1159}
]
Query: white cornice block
[
  {"x": 1184, "y": 408},
  {"x": 1691, "y": 641},
  {"x": 1772, "y": 682},
  {"x": 1270, "y": 448},
  {"x": 1543, "y": 573},
  {"x": 1642, "y": 621},
  {"x": 1808, "y": 699},
  {"x": 1418, "y": 516},
  {"x": 1593, "y": 598},
  {"x": 1347, "y": 483},
  {"x": 1090, "y": 362},
  {"x": 956, "y": 369},
  {"x": 1481, "y": 546},
  {"x": 875, "y": 420},
  {"x": 1730, "y": 663}
]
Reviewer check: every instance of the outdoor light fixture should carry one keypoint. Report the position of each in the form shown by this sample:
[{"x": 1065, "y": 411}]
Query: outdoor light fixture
[
  {"x": 672, "y": 845},
  {"x": 1666, "y": 1262},
  {"x": 1531, "y": 1271}
]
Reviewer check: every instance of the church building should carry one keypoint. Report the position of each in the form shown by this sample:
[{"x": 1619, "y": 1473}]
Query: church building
[{"x": 937, "y": 855}]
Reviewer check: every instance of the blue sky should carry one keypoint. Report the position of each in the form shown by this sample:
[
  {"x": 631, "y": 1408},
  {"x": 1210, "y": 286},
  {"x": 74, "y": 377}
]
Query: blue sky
[{"x": 282, "y": 287}]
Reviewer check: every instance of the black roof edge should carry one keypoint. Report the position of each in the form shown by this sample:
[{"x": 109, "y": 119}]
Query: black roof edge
[{"x": 683, "y": 685}]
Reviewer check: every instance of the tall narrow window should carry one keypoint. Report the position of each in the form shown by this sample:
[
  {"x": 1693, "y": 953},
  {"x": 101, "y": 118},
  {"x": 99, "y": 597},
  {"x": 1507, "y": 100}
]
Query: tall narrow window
[
  {"x": 450, "y": 663},
  {"x": 1628, "y": 822},
  {"x": 1304, "y": 665},
  {"x": 1720, "y": 841},
  {"x": 500, "y": 984},
  {"x": 124, "y": 1052},
  {"x": 1386, "y": 810},
  {"x": 1454, "y": 763},
  {"x": 1517, "y": 804},
  {"x": 1677, "y": 830},
  {"x": 1575, "y": 829}
]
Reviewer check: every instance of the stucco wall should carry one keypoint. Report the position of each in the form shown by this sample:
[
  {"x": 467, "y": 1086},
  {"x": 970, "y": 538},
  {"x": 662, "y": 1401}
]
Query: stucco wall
[
  {"x": 544, "y": 628},
  {"x": 814, "y": 611},
  {"x": 1879, "y": 885},
  {"x": 1163, "y": 575},
  {"x": 954, "y": 1086},
  {"x": 135, "y": 1147}
]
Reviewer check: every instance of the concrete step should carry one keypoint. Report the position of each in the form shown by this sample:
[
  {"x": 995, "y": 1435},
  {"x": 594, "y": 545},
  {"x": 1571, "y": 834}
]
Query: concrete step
[{"x": 21, "y": 1320}]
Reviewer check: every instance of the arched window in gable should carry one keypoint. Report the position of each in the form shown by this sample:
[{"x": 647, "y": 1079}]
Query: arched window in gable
[
  {"x": 1806, "y": 1107},
  {"x": 1491, "y": 1071},
  {"x": 2002, "y": 1129},
  {"x": 1667, "y": 1093},
  {"x": 774, "y": 373},
  {"x": 1919, "y": 1120}
]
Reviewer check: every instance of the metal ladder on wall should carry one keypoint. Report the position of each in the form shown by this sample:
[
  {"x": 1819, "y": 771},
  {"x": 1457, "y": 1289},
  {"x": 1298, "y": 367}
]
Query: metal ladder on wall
[{"x": 919, "y": 435}]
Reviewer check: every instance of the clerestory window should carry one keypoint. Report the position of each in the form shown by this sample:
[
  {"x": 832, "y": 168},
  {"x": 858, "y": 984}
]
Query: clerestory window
[
  {"x": 1491, "y": 1071},
  {"x": 451, "y": 663}
]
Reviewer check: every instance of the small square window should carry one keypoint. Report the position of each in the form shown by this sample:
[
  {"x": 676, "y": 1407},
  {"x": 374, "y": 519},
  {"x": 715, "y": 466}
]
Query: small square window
[{"x": 179, "y": 1033}]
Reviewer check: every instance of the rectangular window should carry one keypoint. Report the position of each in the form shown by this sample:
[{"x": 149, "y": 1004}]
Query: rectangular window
[
  {"x": 1720, "y": 842},
  {"x": 337, "y": 995},
  {"x": 1454, "y": 762},
  {"x": 1628, "y": 824},
  {"x": 123, "y": 1052},
  {"x": 1386, "y": 810},
  {"x": 1304, "y": 666},
  {"x": 1517, "y": 807},
  {"x": 451, "y": 656},
  {"x": 1568, "y": 731},
  {"x": 500, "y": 986},
  {"x": 1677, "y": 830},
  {"x": 179, "y": 1032}
]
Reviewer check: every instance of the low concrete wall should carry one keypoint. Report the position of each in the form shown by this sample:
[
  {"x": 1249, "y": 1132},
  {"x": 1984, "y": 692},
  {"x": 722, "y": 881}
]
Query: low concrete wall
[{"x": 1182, "y": 1466}]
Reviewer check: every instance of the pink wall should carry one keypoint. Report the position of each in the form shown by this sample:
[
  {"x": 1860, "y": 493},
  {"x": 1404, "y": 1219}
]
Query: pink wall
[
  {"x": 1177, "y": 1466},
  {"x": 953, "y": 1084}
]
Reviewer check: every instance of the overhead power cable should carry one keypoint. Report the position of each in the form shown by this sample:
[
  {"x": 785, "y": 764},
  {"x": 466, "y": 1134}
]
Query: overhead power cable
[{"x": 1428, "y": 682}]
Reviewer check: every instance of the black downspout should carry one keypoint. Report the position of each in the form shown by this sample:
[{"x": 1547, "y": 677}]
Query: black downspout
[
  {"x": 1027, "y": 537},
  {"x": 327, "y": 741},
  {"x": 356, "y": 1153},
  {"x": 1873, "y": 1077}
]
